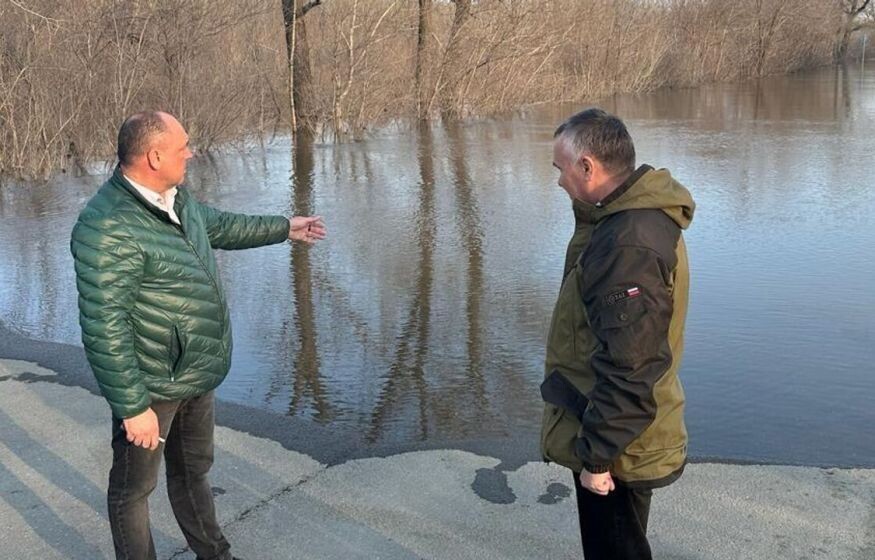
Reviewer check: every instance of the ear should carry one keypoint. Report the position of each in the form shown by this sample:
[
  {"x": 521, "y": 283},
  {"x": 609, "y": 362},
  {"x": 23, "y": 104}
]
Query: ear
[
  {"x": 153, "y": 158},
  {"x": 586, "y": 164}
]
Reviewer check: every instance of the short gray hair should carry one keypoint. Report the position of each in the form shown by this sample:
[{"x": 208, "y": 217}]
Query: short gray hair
[
  {"x": 137, "y": 133},
  {"x": 602, "y": 135}
]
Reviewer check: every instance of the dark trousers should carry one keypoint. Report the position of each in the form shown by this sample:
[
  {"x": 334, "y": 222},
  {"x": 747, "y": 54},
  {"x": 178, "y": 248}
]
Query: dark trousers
[
  {"x": 188, "y": 428},
  {"x": 614, "y": 527}
]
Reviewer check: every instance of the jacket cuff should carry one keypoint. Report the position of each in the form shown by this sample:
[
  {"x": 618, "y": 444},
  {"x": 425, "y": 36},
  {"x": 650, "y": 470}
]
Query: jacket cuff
[
  {"x": 597, "y": 469},
  {"x": 582, "y": 452},
  {"x": 124, "y": 414}
]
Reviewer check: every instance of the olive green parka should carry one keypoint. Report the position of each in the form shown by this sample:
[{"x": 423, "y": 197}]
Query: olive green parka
[
  {"x": 614, "y": 401},
  {"x": 154, "y": 319}
]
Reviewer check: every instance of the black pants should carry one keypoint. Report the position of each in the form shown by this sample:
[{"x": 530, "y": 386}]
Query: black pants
[
  {"x": 614, "y": 527},
  {"x": 188, "y": 428}
]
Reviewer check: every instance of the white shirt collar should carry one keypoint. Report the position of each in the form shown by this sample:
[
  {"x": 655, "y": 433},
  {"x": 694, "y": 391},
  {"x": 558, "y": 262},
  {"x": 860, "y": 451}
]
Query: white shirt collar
[{"x": 161, "y": 201}]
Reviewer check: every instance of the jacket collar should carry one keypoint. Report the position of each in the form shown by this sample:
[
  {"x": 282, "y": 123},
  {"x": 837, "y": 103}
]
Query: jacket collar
[
  {"x": 119, "y": 180},
  {"x": 589, "y": 214}
]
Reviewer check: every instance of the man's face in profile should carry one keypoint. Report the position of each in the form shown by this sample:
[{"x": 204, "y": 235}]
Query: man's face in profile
[
  {"x": 571, "y": 177},
  {"x": 175, "y": 152}
]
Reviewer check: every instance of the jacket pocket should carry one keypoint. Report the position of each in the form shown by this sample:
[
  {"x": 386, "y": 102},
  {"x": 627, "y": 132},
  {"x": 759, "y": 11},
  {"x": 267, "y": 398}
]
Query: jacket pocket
[
  {"x": 177, "y": 351},
  {"x": 558, "y": 436},
  {"x": 566, "y": 405},
  {"x": 623, "y": 330},
  {"x": 570, "y": 339},
  {"x": 559, "y": 391},
  {"x": 622, "y": 314}
]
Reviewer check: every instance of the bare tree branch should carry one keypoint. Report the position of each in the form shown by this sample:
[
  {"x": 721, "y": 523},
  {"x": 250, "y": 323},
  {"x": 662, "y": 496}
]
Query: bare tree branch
[{"x": 21, "y": 6}]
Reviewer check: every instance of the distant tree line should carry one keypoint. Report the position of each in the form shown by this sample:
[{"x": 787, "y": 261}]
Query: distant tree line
[{"x": 243, "y": 70}]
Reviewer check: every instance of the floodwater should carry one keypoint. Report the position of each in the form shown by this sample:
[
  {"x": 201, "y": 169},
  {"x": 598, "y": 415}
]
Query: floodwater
[{"x": 423, "y": 316}]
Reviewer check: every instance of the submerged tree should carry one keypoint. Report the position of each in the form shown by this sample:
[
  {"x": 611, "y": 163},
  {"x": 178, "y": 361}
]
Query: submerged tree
[
  {"x": 423, "y": 30},
  {"x": 298, "y": 56},
  {"x": 851, "y": 22}
]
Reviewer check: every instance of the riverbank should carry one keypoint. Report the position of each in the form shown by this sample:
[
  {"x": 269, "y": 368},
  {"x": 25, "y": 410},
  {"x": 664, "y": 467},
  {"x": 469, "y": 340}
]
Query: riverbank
[{"x": 286, "y": 488}]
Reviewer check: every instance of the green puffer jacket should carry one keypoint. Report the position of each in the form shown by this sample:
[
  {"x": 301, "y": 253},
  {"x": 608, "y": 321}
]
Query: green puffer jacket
[
  {"x": 154, "y": 319},
  {"x": 614, "y": 401}
]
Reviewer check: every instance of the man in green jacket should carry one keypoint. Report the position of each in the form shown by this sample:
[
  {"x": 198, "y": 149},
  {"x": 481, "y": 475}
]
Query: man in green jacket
[
  {"x": 156, "y": 328},
  {"x": 614, "y": 403}
]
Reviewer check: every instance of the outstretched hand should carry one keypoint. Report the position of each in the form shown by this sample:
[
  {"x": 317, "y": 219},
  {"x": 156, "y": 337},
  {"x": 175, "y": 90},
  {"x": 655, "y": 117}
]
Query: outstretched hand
[{"x": 307, "y": 229}]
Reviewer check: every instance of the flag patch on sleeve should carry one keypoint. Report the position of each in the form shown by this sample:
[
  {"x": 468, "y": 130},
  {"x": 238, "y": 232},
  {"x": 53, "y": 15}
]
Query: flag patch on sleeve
[{"x": 621, "y": 295}]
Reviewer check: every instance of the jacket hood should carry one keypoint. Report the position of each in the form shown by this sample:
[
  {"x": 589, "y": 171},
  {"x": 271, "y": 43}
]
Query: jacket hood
[{"x": 646, "y": 188}]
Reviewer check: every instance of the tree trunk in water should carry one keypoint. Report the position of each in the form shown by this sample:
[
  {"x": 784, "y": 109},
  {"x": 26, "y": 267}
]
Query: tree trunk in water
[
  {"x": 303, "y": 74},
  {"x": 289, "y": 24},
  {"x": 851, "y": 10},
  {"x": 298, "y": 52},
  {"x": 844, "y": 40},
  {"x": 421, "y": 46},
  {"x": 449, "y": 104}
]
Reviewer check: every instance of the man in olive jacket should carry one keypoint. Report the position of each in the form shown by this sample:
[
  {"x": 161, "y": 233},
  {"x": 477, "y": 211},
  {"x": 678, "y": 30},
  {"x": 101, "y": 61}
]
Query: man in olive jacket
[
  {"x": 156, "y": 328},
  {"x": 614, "y": 403}
]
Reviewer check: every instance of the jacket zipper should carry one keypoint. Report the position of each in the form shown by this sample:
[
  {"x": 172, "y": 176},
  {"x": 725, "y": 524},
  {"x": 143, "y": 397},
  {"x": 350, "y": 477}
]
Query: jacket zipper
[
  {"x": 165, "y": 216},
  {"x": 212, "y": 281}
]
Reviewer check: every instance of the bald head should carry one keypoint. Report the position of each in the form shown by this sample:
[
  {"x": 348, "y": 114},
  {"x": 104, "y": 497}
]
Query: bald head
[
  {"x": 153, "y": 149},
  {"x": 138, "y": 133}
]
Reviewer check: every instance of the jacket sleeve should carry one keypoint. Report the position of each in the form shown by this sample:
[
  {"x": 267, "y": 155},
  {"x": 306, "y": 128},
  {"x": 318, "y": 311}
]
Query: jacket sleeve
[
  {"x": 109, "y": 267},
  {"x": 227, "y": 230},
  {"x": 630, "y": 307}
]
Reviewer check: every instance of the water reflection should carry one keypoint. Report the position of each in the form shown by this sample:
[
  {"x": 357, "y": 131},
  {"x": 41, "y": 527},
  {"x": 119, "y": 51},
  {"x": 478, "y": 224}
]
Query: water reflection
[
  {"x": 307, "y": 381},
  {"x": 407, "y": 370},
  {"x": 842, "y": 92},
  {"x": 824, "y": 96},
  {"x": 469, "y": 227}
]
